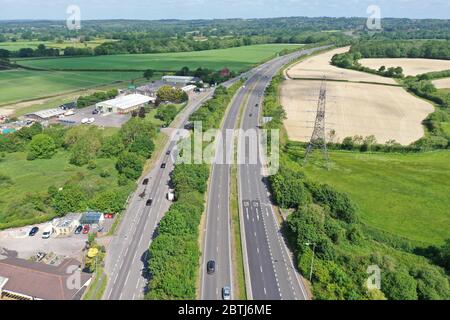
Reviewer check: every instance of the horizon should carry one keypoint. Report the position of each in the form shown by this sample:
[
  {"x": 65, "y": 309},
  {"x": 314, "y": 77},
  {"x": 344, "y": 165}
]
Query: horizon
[{"x": 94, "y": 10}]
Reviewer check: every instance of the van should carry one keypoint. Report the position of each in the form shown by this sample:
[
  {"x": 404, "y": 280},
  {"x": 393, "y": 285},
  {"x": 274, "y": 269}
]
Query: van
[{"x": 47, "y": 233}]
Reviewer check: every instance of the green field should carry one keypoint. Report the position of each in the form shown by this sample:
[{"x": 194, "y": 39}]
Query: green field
[
  {"x": 18, "y": 85},
  {"x": 16, "y": 46},
  {"x": 34, "y": 177},
  {"x": 234, "y": 58},
  {"x": 406, "y": 195}
]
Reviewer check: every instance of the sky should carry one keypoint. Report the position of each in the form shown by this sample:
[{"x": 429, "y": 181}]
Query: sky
[{"x": 211, "y": 9}]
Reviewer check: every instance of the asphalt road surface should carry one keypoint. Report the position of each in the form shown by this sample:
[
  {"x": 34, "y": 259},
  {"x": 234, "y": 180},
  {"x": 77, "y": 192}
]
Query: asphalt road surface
[
  {"x": 126, "y": 261},
  {"x": 268, "y": 263}
]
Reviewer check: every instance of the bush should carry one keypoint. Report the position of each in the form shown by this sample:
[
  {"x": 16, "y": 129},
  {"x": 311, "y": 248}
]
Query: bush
[
  {"x": 288, "y": 189},
  {"x": 42, "y": 146},
  {"x": 399, "y": 285}
]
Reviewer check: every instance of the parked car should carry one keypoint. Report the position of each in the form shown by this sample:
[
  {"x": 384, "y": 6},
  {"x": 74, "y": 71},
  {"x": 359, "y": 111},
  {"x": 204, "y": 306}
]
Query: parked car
[
  {"x": 145, "y": 182},
  {"x": 86, "y": 229},
  {"x": 109, "y": 215},
  {"x": 226, "y": 293},
  {"x": 95, "y": 111},
  {"x": 163, "y": 166},
  {"x": 149, "y": 202},
  {"x": 46, "y": 234},
  {"x": 33, "y": 231},
  {"x": 211, "y": 267},
  {"x": 78, "y": 229}
]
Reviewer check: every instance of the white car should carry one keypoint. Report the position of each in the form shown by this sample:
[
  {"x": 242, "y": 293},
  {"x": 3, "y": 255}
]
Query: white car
[
  {"x": 226, "y": 293},
  {"x": 47, "y": 233},
  {"x": 85, "y": 120},
  {"x": 91, "y": 120},
  {"x": 69, "y": 113}
]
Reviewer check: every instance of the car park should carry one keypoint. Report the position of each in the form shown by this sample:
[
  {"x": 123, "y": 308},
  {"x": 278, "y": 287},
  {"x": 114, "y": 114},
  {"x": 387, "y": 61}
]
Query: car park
[
  {"x": 211, "y": 267},
  {"x": 33, "y": 231}
]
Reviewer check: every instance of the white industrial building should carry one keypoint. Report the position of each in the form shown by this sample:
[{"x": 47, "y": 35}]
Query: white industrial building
[
  {"x": 180, "y": 79},
  {"x": 124, "y": 104}
]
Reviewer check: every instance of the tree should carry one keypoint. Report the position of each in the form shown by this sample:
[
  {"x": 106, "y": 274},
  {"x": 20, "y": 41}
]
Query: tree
[
  {"x": 130, "y": 165},
  {"x": 112, "y": 146},
  {"x": 71, "y": 199},
  {"x": 168, "y": 93},
  {"x": 288, "y": 189},
  {"x": 108, "y": 201},
  {"x": 148, "y": 74},
  {"x": 42, "y": 146},
  {"x": 399, "y": 285}
]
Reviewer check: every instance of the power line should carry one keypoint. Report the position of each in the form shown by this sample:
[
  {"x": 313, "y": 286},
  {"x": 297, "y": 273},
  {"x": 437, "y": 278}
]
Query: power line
[{"x": 318, "y": 140}]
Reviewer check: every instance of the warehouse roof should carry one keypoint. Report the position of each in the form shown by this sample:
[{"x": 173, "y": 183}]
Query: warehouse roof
[
  {"x": 49, "y": 113},
  {"x": 39, "y": 280},
  {"x": 126, "y": 102}
]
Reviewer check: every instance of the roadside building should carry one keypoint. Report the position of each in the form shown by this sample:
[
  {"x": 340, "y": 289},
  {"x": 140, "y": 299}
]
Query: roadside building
[
  {"x": 124, "y": 104},
  {"x": 92, "y": 218},
  {"x": 63, "y": 227},
  {"x": 189, "y": 88},
  {"x": 183, "y": 80},
  {"x": 27, "y": 280},
  {"x": 45, "y": 115}
]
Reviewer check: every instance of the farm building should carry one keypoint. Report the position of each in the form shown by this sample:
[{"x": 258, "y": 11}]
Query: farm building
[
  {"x": 47, "y": 114},
  {"x": 26, "y": 280},
  {"x": 124, "y": 104},
  {"x": 181, "y": 79}
]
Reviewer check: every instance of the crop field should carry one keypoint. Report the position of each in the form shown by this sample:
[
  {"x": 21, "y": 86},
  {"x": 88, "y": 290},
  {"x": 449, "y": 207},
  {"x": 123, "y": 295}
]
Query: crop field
[
  {"x": 234, "y": 58},
  {"x": 411, "y": 67},
  {"x": 17, "y": 85},
  {"x": 16, "y": 46},
  {"x": 34, "y": 177},
  {"x": 354, "y": 109},
  {"x": 442, "y": 83},
  {"x": 406, "y": 195},
  {"x": 320, "y": 65}
]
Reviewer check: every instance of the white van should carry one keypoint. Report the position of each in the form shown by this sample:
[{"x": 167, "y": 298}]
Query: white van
[{"x": 47, "y": 233}]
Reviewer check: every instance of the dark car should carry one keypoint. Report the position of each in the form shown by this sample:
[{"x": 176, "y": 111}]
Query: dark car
[
  {"x": 95, "y": 111},
  {"x": 149, "y": 202},
  {"x": 78, "y": 229},
  {"x": 145, "y": 182},
  {"x": 33, "y": 231},
  {"x": 168, "y": 152},
  {"x": 257, "y": 105},
  {"x": 211, "y": 267},
  {"x": 163, "y": 166},
  {"x": 250, "y": 115}
]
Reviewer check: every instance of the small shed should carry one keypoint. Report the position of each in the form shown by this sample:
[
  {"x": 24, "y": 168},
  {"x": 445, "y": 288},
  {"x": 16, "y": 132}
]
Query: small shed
[{"x": 92, "y": 218}]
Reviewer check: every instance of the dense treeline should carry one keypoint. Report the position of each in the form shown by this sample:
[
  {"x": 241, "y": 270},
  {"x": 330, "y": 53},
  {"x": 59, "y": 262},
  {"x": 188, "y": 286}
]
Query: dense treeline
[
  {"x": 85, "y": 101},
  {"x": 325, "y": 221},
  {"x": 403, "y": 49},
  {"x": 174, "y": 254}
]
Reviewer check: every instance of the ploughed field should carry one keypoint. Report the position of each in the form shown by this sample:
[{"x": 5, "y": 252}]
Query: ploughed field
[
  {"x": 236, "y": 59},
  {"x": 442, "y": 83},
  {"x": 318, "y": 66},
  {"x": 353, "y": 106},
  {"x": 411, "y": 67}
]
